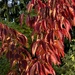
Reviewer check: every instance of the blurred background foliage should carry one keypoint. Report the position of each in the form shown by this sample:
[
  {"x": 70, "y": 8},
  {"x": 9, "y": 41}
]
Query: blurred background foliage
[
  {"x": 10, "y": 11},
  {"x": 4, "y": 65}
]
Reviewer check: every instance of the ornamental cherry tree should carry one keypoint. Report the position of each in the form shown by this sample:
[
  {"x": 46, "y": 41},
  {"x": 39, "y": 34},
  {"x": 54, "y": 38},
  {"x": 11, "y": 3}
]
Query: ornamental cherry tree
[{"x": 51, "y": 24}]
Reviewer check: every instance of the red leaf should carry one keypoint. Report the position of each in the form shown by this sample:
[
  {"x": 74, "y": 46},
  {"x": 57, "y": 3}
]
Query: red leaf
[
  {"x": 49, "y": 69},
  {"x": 71, "y": 10},
  {"x": 73, "y": 21},
  {"x": 33, "y": 69},
  {"x": 29, "y": 6},
  {"x": 33, "y": 1},
  {"x": 42, "y": 72},
  {"x": 22, "y": 39},
  {"x": 34, "y": 47},
  {"x": 60, "y": 47},
  {"x": 44, "y": 25},
  {"x": 73, "y": 2},
  {"x": 12, "y": 46},
  {"x": 54, "y": 59},
  {"x": 42, "y": 5},
  {"x": 21, "y": 19},
  {"x": 4, "y": 32},
  {"x": 13, "y": 32},
  {"x": 40, "y": 52},
  {"x": 57, "y": 34},
  {"x": 44, "y": 46},
  {"x": 37, "y": 28},
  {"x": 54, "y": 12},
  {"x": 50, "y": 36},
  {"x": 12, "y": 73}
]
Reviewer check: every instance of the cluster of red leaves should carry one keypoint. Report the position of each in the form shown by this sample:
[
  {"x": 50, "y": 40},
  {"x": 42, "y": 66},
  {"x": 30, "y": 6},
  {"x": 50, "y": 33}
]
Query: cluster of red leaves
[
  {"x": 53, "y": 21},
  {"x": 12, "y": 45}
]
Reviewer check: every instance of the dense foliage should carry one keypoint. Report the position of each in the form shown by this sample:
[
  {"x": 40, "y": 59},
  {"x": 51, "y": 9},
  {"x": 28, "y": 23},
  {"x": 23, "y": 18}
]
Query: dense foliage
[{"x": 51, "y": 24}]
